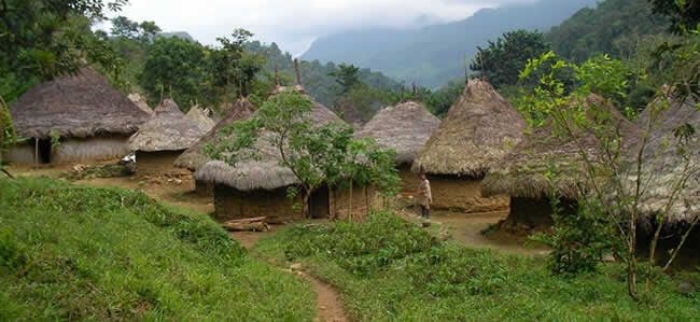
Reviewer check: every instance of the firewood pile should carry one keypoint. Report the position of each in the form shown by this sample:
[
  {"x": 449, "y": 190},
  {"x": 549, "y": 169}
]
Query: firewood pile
[{"x": 247, "y": 224}]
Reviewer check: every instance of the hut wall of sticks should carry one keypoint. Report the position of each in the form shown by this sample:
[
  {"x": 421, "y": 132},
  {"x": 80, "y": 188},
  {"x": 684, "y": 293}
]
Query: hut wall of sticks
[
  {"x": 230, "y": 203},
  {"x": 478, "y": 131},
  {"x": 355, "y": 204},
  {"x": 68, "y": 150},
  {"x": 79, "y": 118}
]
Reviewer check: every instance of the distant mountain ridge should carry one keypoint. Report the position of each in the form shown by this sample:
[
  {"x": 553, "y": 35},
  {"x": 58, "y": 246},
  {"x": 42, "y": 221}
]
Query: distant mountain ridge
[{"x": 432, "y": 55}]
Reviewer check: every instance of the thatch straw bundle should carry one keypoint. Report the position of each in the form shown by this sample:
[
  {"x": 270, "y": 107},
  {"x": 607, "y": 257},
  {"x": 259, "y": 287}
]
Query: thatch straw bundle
[
  {"x": 478, "y": 131},
  {"x": 523, "y": 172},
  {"x": 199, "y": 117},
  {"x": 194, "y": 157},
  {"x": 140, "y": 101},
  {"x": 168, "y": 130},
  {"x": 404, "y": 128},
  {"x": 80, "y": 106},
  {"x": 663, "y": 167},
  {"x": 264, "y": 171}
]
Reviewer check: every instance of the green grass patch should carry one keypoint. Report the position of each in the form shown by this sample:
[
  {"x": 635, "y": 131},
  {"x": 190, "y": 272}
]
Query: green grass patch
[
  {"x": 70, "y": 252},
  {"x": 388, "y": 269}
]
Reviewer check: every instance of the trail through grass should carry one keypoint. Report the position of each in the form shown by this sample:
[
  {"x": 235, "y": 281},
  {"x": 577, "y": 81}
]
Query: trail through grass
[{"x": 390, "y": 270}]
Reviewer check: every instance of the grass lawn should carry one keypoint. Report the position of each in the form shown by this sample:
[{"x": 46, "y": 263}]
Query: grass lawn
[
  {"x": 70, "y": 252},
  {"x": 387, "y": 269}
]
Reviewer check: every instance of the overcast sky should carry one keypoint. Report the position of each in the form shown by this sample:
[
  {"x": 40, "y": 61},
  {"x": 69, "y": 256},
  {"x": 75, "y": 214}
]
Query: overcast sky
[{"x": 294, "y": 24}]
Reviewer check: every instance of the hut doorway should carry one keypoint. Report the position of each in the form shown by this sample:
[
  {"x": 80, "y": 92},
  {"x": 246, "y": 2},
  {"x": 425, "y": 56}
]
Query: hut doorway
[
  {"x": 43, "y": 150},
  {"x": 319, "y": 203}
]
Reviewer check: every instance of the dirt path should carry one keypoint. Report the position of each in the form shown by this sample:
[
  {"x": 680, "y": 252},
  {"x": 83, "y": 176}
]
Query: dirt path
[
  {"x": 467, "y": 229},
  {"x": 329, "y": 307}
]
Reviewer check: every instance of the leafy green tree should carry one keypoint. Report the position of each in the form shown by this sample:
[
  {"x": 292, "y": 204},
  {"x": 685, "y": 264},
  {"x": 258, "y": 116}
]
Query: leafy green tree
[
  {"x": 500, "y": 63},
  {"x": 125, "y": 28},
  {"x": 614, "y": 172},
  {"x": 315, "y": 154},
  {"x": 42, "y": 39},
  {"x": 174, "y": 67},
  {"x": 233, "y": 67},
  {"x": 684, "y": 14},
  {"x": 347, "y": 76}
]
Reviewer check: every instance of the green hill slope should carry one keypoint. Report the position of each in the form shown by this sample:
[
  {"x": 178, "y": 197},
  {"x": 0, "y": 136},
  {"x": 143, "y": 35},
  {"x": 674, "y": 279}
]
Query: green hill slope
[
  {"x": 435, "y": 54},
  {"x": 615, "y": 27},
  {"x": 70, "y": 252}
]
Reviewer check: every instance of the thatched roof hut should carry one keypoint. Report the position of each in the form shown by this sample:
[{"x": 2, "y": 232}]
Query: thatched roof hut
[
  {"x": 163, "y": 138},
  {"x": 91, "y": 119},
  {"x": 263, "y": 172},
  {"x": 478, "y": 131},
  {"x": 79, "y": 106},
  {"x": 258, "y": 186},
  {"x": 194, "y": 157},
  {"x": 404, "y": 128},
  {"x": 663, "y": 167},
  {"x": 522, "y": 173},
  {"x": 140, "y": 101},
  {"x": 168, "y": 130},
  {"x": 200, "y": 117}
]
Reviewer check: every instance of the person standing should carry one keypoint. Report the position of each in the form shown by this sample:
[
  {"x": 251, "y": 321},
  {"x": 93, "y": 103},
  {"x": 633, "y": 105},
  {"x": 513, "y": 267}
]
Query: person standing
[{"x": 425, "y": 196}]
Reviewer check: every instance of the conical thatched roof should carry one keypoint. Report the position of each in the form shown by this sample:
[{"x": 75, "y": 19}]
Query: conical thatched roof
[
  {"x": 140, "y": 101},
  {"x": 263, "y": 172},
  {"x": 478, "y": 131},
  {"x": 522, "y": 173},
  {"x": 662, "y": 167},
  {"x": 80, "y": 106},
  {"x": 193, "y": 158},
  {"x": 404, "y": 128},
  {"x": 168, "y": 130},
  {"x": 199, "y": 117}
]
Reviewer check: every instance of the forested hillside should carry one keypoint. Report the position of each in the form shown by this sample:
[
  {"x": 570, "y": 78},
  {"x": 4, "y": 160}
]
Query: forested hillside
[
  {"x": 433, "y": 55},
  {"x": 615, "y": 27}
]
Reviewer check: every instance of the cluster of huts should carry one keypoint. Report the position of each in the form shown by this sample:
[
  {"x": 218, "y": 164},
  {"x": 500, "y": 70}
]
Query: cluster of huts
[
  {"x": 82, "y": 118},
  {"x": 479, "y": 158}
]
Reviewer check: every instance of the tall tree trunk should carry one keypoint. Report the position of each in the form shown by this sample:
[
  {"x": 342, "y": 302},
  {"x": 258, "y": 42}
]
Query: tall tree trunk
[{"x": 632, "y": 258}]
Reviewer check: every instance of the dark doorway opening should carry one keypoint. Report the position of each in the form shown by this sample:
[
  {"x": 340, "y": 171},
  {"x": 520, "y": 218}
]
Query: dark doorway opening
[
  {"x": 44, "y": 149},
  {"x": 319, "y": 203}
]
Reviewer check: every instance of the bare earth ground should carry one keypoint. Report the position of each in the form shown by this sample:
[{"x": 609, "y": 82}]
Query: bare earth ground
[{"x": 465, "y": 228}]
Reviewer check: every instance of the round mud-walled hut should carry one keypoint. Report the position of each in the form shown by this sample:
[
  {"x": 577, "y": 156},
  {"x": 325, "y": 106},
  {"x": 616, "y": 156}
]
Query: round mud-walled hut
[
  {"x": 258, "y": 186},
  {"x": 478, "y": 131},
  {"x": 523, "y": 173},
  {"x": 162, "y": 139},
  {"x": 663, "y": 169},
  {"x": 194, "y": 157},
  {"x": 201, "y": 118},
  {"x": 73, "y": 119},
  {"x": 404, "y": 128}
]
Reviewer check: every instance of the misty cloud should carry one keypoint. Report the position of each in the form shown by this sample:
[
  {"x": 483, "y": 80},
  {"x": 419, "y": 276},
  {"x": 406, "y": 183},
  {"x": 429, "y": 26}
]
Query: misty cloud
[{"x": 294, "y": 24}]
